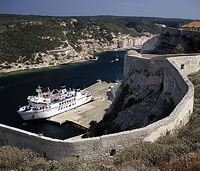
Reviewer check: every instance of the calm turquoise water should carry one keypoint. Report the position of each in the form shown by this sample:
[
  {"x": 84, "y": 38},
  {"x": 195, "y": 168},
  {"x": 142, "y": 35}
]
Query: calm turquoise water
[{"x": 15, "y": 87}]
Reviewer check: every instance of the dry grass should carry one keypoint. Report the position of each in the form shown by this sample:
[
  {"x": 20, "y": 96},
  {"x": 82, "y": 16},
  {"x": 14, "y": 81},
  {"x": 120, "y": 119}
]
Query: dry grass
[{"x": 21, "y": 159}]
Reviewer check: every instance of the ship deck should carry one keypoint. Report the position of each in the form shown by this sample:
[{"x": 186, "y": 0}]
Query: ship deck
[{"x": 93, "y": 110}]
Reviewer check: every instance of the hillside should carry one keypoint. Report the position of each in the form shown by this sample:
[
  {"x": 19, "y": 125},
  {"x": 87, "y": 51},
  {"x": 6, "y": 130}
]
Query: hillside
[
  {"x": 25, "y": 35},
  {"x": 39, "y": 41}
]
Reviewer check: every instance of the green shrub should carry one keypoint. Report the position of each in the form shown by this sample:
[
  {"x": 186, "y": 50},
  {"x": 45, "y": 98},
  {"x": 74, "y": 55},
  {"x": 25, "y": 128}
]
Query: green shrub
[{"x": 178, "y": 49}]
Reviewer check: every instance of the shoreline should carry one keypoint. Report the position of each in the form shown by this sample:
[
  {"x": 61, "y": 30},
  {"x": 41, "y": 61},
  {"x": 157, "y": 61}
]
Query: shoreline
[
  {"x": 33, "y": 67},
  {"x": 56, "y": 64}
]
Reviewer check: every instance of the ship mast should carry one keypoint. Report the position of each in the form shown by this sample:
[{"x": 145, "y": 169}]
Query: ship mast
[{"x": 39, "y": 91}]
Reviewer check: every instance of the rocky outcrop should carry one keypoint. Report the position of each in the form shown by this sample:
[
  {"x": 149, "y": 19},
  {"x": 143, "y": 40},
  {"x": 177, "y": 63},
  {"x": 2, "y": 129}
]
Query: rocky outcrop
[
  {"x": 151, "y": 45},
  {"x": 167, "y": 40},
  {"x": 145, "y": 80},
  {"x": 141, "y": 100}
]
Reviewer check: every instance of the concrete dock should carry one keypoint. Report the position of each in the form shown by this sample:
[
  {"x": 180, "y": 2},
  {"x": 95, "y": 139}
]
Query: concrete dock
[{"x": 93, "y": 110}]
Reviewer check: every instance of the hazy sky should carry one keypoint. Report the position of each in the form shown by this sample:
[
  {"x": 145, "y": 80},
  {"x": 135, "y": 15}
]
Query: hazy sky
[{"x": 189, "y": 9}]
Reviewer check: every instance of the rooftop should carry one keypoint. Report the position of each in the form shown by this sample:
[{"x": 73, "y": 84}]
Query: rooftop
[{"x": 194, "y": 24}]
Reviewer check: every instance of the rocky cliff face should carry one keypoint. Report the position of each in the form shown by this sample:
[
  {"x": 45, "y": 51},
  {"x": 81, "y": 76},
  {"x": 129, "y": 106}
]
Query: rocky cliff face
[
  {"x": 168, "y": 40},
  {"x": 139, "y": 102}
]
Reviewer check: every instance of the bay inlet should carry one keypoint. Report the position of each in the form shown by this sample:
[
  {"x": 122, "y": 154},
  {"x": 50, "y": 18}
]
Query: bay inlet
[{"x": 17, "y": 86}]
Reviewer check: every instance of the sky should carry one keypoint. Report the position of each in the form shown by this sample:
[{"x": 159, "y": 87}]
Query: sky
[{"x": 186, "y": 9}]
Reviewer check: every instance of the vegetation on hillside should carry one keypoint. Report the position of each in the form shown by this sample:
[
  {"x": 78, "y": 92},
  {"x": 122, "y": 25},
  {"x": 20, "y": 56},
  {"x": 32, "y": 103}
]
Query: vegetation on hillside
[
  {"x": 178, "y": 151},
  {"x": 140, "y": 23},
  {"x": 24, "y": 41},
  {"x": 191, "y": 45},
  {"x": 23, "y": 36}
]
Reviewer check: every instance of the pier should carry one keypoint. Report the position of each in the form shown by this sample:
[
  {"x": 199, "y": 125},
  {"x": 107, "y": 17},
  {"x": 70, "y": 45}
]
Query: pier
[{"x": 93, "y": 110}]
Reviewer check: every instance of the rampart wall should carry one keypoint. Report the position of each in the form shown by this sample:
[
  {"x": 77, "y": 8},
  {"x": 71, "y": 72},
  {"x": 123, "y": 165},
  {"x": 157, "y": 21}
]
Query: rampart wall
[{"x": 175, "y": 84}]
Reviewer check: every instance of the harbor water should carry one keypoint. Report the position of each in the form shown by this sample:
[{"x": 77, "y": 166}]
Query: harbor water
[{"x": 17, "y": 86}]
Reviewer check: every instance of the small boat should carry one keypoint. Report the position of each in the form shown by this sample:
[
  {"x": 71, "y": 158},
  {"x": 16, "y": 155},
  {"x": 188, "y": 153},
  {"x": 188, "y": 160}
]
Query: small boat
[
  {"x": 92, "y": 57},
  {"x": 49, "y": 103},
  {"x": 117, "y": 59},
  {"x": 112, "y": 61}
]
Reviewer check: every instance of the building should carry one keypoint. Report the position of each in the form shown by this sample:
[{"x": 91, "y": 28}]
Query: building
[
  {"x": 121, "y": 43},
  {"x": 160, "y": 25},
  {"x": 73, "y": 20},
  {"x": 130, "y": 42},
  {"x": 193, "y": 26}
]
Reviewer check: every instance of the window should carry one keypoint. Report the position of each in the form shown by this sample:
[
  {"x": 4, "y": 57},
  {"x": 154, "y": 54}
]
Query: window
[
  {"x": 113, "y": 152},
  {"x": 44, "y": 154},
  {"x": 182, "y": 66},
  {"x": 6, "y": 142}
]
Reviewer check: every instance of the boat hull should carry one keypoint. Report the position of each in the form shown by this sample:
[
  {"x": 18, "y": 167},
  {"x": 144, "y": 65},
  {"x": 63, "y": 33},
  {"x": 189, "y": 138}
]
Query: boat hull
[{"x": 55, "y": 109}]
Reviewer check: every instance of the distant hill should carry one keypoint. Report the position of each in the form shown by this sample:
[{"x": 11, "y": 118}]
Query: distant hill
[
  {"x": 22, "y": 37},
  {"x": 142, "y": 23},
  {"x": 25, "y": 35}
]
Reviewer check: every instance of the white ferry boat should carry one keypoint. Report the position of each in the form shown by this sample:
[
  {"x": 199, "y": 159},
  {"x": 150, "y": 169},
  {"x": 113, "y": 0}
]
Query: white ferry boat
[{"x": 49, "y": 103}]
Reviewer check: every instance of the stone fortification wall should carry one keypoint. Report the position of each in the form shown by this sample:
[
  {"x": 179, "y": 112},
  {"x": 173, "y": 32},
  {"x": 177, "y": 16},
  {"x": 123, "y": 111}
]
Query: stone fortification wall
[
  {"x": 188, "y": 63},
  {"x": 145, "y": 78},
  {"x": 175, "y": 83}
]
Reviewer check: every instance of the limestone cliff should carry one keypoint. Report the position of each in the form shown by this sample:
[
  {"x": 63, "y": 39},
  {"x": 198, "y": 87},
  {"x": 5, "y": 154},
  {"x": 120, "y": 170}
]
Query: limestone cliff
[
  {"x": 148, "y": 93},
  {"x": 168, "y": 40}
]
